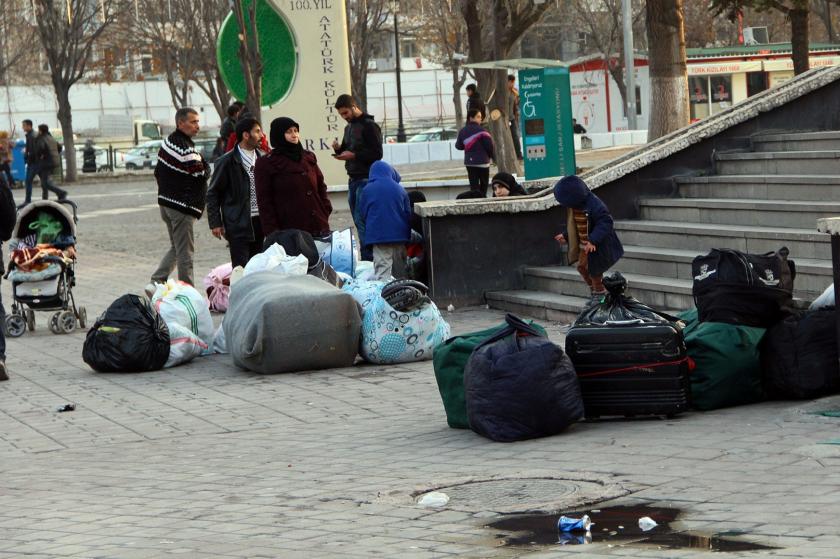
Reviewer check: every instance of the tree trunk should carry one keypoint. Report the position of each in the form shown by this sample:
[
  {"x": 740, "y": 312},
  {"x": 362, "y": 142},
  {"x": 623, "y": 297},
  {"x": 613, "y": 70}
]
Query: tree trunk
[
  {"x": 668, "y": 77},
  {"x": 457, "y": 83},
  {"x": 498, "y": 121},
  {"x": 799, "y": 39},
  {"x": 358, "y": 84},
  {"x": 65, "y": 118}
]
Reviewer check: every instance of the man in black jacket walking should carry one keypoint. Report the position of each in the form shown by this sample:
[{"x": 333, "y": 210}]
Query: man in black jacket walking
[
  {"x": 359, "y": 149},
  {"x": 8, "y": 215},
  {"x": 181, "y": 175},
  {"x": 232, "y": 211},
  {"x": 29, "y": 158},
  {"x": 48, "y": 156}
]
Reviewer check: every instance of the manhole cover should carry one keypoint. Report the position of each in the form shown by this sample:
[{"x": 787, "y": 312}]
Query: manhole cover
[{"x": 526, "y": 494}]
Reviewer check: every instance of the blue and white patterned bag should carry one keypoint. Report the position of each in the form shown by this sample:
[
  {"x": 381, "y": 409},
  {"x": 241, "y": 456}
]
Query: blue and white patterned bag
[{"x": 390, "y": 336}]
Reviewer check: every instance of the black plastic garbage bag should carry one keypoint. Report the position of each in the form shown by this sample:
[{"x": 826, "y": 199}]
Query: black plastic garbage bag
[
  {"x": 520, "y": 385},
  {"x": 129, "y": 337},
  {"x": 617, "y": 308}
]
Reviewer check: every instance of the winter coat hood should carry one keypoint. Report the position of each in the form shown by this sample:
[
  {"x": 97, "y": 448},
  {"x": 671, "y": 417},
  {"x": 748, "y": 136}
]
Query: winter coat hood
[
  {"x": 572, "y": 192},
  {"x": 382, "y": 170}
]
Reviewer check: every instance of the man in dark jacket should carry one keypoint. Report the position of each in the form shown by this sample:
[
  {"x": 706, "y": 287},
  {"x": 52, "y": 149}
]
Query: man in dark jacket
[
  {"x": 474, "y": 100},
  {"x": 48, "y": 155},
  {"x": 181, "y": 175},
  {"x": 232, "y": 211},
  {"x": 8, "y": 214},
  {"x": 29, "y": 158},
  {"x": 386, "y": 210},
  {"x": 360, "y": 147}
]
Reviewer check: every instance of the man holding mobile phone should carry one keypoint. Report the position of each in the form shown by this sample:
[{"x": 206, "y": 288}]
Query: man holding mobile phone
[{"x": 360, "y": 147}]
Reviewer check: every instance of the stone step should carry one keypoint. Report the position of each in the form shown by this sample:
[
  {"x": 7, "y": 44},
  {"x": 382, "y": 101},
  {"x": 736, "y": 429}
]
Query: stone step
[
  {"x": 778, "y": 213},
  {"x": 779, "y": 162},
  {"x": 802, "y": 141},
  {"x": 656, "y": 292},
  {"x": 812, "y": 276},
  {"x": 541, "y": 305},
  {"x": 803, "y": 243},
  {"x": 762, "y": 187}
]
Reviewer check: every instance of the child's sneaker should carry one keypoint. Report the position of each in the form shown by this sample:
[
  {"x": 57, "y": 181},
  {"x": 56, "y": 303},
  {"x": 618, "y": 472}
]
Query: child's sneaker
[{"x": 597, "y": 297}]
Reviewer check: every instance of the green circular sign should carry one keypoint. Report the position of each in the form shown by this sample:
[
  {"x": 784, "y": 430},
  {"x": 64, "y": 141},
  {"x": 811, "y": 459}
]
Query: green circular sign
[{"x": 277, "y": 49}]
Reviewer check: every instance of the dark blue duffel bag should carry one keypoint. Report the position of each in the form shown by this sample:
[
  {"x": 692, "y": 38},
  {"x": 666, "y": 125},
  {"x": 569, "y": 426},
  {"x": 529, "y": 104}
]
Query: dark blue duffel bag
[{"x": 520, "y": 385}]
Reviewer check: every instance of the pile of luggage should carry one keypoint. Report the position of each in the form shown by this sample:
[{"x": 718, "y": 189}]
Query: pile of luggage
[
  {"x": 742, "y": 344},
  {"x": 288, "y": 310}
]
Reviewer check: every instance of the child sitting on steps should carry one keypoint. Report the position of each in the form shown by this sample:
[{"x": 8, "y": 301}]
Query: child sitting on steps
[{"x": 589, "y": 232}]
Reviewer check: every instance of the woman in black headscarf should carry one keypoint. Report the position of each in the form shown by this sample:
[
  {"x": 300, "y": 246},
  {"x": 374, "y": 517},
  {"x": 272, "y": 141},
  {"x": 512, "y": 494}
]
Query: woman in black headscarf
[{"x": 291, "y": 192}]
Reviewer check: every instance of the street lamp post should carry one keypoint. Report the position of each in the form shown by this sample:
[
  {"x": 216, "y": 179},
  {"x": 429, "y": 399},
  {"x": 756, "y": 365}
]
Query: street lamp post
[{"x": 395, "y": 7}]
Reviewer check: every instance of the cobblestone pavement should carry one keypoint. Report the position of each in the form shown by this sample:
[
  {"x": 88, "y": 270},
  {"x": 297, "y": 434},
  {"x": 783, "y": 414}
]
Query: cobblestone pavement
[{"x": 205, "y": 460}]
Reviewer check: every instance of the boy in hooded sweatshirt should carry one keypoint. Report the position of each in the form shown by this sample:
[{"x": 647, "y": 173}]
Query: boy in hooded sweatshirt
[
  {"x": 589, "y": 232},
  {"x": 386, "y": 212}
]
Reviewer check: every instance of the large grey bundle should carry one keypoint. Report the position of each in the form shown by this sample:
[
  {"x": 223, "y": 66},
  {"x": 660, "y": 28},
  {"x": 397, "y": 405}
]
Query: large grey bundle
[{"x": 279, "y": 324}]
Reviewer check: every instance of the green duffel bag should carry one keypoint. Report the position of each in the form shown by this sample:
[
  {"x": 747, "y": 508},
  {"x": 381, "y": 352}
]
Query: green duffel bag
[
  {"x": 727, "y": 363},
  {"x": 449, "y": 360}
]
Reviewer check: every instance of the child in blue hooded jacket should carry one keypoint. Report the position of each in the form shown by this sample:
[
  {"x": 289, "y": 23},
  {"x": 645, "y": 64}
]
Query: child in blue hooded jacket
[
  {"x": 589, "y": 232},
  {"x": 386, "y": 213}
]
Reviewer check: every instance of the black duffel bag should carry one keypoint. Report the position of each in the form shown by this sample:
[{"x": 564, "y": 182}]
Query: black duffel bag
[
  {"x": 799, "y": 356},
  {"x": 747, "y": 289},
  {"x": 129, "y": 337},
  {"x": 520, "y": 385}
]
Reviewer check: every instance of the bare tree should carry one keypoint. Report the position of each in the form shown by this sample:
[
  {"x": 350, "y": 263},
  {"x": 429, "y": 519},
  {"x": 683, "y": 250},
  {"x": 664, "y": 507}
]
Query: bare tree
[
  {"x": 249, "y": 53},
  {"x": 12, "y": 44},
  {"x": 182, "y": 35},
  {"x": 668, "y": 73},
  {"x": 603, "y": 25},
  {"x": 493, "y": 29},
  {"x": 68, "y": 31},
  {"x": 365, "y": 21},
  {"x": 443, "y": 28}
]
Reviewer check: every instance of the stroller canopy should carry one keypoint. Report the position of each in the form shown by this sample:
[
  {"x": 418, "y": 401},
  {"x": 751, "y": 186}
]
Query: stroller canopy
[{"x": 37, "y": 211}]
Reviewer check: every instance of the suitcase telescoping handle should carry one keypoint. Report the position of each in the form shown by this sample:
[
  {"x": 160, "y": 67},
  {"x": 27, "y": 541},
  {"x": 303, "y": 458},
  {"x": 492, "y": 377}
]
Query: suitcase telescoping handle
[{"x": 514, "y": 325}]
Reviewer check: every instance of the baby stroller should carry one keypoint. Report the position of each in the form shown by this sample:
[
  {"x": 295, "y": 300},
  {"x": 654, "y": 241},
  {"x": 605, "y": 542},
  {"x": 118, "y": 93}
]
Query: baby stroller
[{"x": 42, "y": 257}]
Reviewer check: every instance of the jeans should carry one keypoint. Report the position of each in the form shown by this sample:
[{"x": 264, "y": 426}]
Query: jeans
[
  {"x": 389, "y": 261},
  {"x": 355, "y": 189},
  {"x": 31, "y": 172},
  {"x": 2, "y": 313},
  {"x": 242, "y": 250},
  {"x": 7, "y": 173},
  {"x": 479, "y": 178},
  {"x": 179, "y": 226},
  {"x": 47, "y": 185}
]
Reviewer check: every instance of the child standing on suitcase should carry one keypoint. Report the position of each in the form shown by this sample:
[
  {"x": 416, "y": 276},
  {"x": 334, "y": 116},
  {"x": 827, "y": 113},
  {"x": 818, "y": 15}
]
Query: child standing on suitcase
[{"x": 589, "y": 232}]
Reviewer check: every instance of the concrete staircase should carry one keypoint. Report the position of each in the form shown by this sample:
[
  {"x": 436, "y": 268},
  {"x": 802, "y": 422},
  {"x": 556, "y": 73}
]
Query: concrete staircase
[{"x": 756, "y": 202}]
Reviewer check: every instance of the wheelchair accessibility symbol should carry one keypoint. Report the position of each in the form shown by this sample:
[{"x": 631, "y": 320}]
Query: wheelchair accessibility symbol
[{"x": 528, "y": 107}]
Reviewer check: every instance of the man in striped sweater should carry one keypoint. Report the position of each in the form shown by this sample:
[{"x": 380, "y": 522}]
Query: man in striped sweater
[{"x": 181, "y": 175}]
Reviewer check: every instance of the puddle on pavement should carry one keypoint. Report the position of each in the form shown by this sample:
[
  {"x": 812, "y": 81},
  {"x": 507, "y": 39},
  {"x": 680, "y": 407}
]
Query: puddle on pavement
[{"x": 617, "y": 526}]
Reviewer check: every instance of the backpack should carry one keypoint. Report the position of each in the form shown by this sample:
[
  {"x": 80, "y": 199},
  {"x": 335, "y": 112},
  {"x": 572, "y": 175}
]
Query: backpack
[
  {"x": 738, "y": 288},
  {"x": 520, "y": 385}
]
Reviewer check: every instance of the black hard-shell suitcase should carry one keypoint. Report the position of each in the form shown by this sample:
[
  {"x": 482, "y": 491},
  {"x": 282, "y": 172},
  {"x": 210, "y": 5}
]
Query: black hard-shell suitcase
[{"x": 630, "y": 370}]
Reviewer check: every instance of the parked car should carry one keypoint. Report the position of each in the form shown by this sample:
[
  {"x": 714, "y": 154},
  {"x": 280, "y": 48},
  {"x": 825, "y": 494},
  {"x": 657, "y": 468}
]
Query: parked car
[
  {"x": 143, "y": 156},
  {"x": 435, "y": 135}
]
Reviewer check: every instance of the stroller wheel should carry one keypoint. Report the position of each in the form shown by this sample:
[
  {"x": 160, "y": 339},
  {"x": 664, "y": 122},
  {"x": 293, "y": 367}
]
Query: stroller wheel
[
  {"x": 66, "y": 322},
  {"x": 54, "y": 323},
  {"x": 15, "y": 325},
  {"x": 81, "y": 314},
  {"x": 30, "y": 319}
]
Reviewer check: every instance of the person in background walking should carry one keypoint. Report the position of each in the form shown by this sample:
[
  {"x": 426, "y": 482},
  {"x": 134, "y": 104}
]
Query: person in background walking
[
  {"x": 29, "y": 159},
  {"x": 228, "y": 127},
  {"x": 513, "y": 114},
  {"x": 474, "y": 101},
  {"x": 232, "y": 210},
  {"x": 6, "y": 154},
  {"x": 360, "y": 147},
  {"x": 8, "y": 215},
  {"x": 181, "y": 174},
  {"x": 48, "y": 155},
  {"x": 291, "y": 192},
  {"x": 477, "y": 145},
  {"x": 386, "y": 211}
]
